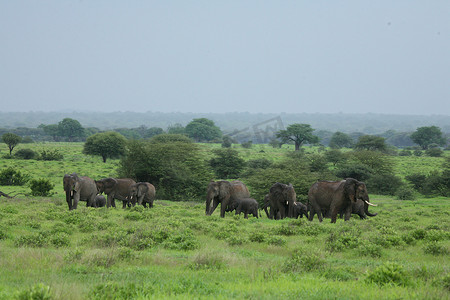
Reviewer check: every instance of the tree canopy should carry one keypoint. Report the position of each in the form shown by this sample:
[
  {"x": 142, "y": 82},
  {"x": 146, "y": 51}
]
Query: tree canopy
[
  {"x": 203, "y": 130},
  {"x": 11, "y": 140},
  {"x": 340, "y": 140},
  {"x": 299, "y": 134},
  {"x": 371, "y": 142},
  {"x": 108, "y": 144},
  {"x": 70, "y": 128},
  {"x": 425, "y": 136},
  {"x": 227, "y": 164}
]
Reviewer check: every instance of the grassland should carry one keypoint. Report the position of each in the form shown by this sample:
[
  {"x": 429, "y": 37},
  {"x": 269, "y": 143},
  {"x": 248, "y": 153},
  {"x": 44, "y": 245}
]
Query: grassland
[{"x": 174, "y": 251}]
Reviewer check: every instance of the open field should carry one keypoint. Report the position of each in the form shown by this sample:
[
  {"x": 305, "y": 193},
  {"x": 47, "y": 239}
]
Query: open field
[{"x": 174, "y": 251}]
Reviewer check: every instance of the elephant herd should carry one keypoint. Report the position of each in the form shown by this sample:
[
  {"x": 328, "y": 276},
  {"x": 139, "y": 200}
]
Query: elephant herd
[
  {"x": 82, "y": 188},
  {"x": 325, "y": 198}
]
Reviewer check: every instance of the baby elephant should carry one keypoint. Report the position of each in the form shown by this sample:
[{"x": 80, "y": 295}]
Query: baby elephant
[
  {"x": 100, "y": 201},
  {"x": 300, "y": 209},
  {"x": 245, "y": 205}
]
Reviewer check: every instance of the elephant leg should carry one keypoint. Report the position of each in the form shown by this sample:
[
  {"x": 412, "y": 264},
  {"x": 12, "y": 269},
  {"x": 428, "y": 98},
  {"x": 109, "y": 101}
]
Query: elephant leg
[
  {"x": 312, "y": 212},
  {"x": 245, "y": 215},
  {"x": 214, "y": 206},
  {"x": 334, "y": 213},
  {"x": 348, "y": 213},
  {"x": 76, "y": 198},
  {"x": 110, "y": 200}
]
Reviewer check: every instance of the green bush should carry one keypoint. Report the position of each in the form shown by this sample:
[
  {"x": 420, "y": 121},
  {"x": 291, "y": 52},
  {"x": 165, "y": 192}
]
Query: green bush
[
  {"x": 304, "y": 261},
  {"x": 370, "y": 249},
  {"x": 9, "y": 176},
  {"x": 389, "y": 273},
  {"x": 358, "y": 171},
  {"x": 435, "y": 248},
  {"x": 276, "y": 240},
  {"x": 434, "y": 152},
  {"x": 50, "y": 155},
  {"x": 384, "y": 184},
  {"x": 25, "y": 154},
  {"x": 258, "y": 237},
  {"x": 405, "y": 193},
  {"x": 41, "y": 187},
  {"x": 227, "y": 164},
  {"x": 36, "y": 292}
]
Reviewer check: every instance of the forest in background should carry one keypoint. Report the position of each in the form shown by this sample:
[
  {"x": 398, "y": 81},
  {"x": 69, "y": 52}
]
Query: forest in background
[{"x": 368, "y": 123}]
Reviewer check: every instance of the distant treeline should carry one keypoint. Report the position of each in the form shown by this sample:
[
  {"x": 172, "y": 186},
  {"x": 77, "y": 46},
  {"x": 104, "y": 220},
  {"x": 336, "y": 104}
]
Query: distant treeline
[{"x": 259, "y": 128}]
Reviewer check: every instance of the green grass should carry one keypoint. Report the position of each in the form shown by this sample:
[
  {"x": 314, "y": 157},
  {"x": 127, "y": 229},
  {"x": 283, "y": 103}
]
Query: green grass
[{"x": 174, "y": 251}]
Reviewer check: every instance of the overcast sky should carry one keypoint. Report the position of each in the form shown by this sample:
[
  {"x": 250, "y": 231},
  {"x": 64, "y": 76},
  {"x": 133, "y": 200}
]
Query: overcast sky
[{"x": 223, "y": 56}]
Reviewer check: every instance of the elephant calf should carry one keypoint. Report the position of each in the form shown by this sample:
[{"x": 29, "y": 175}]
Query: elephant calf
[
  {"x": 300, "y": 209},
  {"x": 100, "y": 201},
  {"x": 245, "y": 205}
]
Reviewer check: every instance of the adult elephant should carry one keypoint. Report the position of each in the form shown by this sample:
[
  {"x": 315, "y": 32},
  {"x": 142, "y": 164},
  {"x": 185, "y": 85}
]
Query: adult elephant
[
  {"x": 224, "y": 192},
  {"x": 79, "y": 188},
  {"x": 115, "y": 189},
  {"x": 142, "y": 193},
  {"x": 281, "y": 200},
  {"x": 334, "y": 196}
]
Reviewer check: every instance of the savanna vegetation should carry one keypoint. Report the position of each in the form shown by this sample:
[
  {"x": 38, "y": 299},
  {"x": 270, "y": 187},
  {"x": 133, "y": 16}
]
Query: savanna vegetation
[{"x": 174, "y": 251}]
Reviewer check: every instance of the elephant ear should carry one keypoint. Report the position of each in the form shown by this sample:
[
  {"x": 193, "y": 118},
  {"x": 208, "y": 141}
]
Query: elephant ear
[
  {"x": 109, "y": 183},
  {"x": 350, "y": 186}
]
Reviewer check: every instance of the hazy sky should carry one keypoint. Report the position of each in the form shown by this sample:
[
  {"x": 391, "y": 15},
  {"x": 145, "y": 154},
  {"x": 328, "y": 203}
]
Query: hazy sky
[{"x": 225, "y": 56}]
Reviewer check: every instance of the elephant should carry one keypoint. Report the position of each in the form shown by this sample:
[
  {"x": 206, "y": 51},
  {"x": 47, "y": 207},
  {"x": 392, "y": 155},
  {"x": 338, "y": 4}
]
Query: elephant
[
  {"x": 142, "y": 193},
  {"x": 224, "y": 192},
  {"x": 79, "y": 188},
  {"x": 300, "y": 209},
  {"x": 100, "y": 201},
  {"x": 115, "y": 189},
  {"x": 245, "y": 205},
  {"x": 359, "y": 208},
  {"x": 334, "y": 196},
  {"x": 281, "y": 200}
]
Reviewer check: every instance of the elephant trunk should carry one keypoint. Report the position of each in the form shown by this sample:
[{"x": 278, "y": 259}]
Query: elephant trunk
[
  {"x": 208, "y": 204},
  {"x": 366, "y": 209},
  {"x": 69, "y": 196}
]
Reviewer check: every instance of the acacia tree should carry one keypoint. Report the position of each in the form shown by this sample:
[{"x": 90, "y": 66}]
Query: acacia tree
[
  {"x": 299, "y": 134},
  {"x": 339, "y": 140},
  {"x": 203, "y": 129},
  {"x": 11, "y": 140},
  {"x": 371, "y": 142},
  {"x": 108, "y": 144},
  {"x": 424, "y": 136},
  {"x": 70, "y": 128}
]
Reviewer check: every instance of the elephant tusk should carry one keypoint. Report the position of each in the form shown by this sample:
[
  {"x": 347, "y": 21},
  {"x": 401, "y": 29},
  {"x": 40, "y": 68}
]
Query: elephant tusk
[{"x": 370, "y": 203}]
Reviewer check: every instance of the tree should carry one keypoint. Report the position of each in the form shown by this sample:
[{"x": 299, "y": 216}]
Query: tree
[
  {"x": 203, "y": 130},
  {"x": 371, "y": 142},
  {"x": 70, "y": 128},
  {"x": 227, "y": 163},
  {"x": 152, "y": 131},
  {"x": 51, "y": 130},
  {"x": 424, "y": 136},
  {"x": 11, "y": 140},
  {"x": 340, "y": 140},
  {"x": 108, "y": 144},
  {"x": 176, "y": 128},
  {"x": 299, "y": 134}
]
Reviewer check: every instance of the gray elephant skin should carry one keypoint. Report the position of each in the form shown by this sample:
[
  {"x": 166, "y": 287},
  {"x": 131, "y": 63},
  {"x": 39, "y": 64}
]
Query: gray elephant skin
[
  {"x": 115, "y": 189},
  {"x": 100, "y": 201},
  {"x": 245, "y": 205},
  {"x": 280, "y": 201},
  {"x": 224, "y": 192},
  {"x": 79, "y": 188},
  {"x": 359, "y": 208},
  {"x": 334, "y": 196},
  {"x": 300, "y": 210},
  {"x": 143, "y": 193}
]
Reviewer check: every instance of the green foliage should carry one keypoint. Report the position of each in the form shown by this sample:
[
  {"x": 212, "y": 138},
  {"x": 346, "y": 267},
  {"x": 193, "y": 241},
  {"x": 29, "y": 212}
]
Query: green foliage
[
  {"x": 247, "y": 144},
  {"x": 174, "y": 168},
  {"x": 371, "y": 143},
  {"x": 359, "y": 171},
  {"x": 203, "y": 130},
  {"x": 341, "y": 140},
  {"x": 50, "y": 155},
  {"x": 171, "y": 138},
  {"x": 335, "y": 156},
  {"x": 176, "y": 128},
  {"x": 298, "y": 134},
  {"x": 108, "y": 144},
  {"x": 304, "y": 261},
  {"x": 405, "y": 193},
  {"x": 11, "y": 140},
  {"x": 9, "y": 176},
  {"x": 227, "y": 141},
  {"x": 424, "y": 136},
  {"x": 435, "y": 248},
  {"x": 25, "y": 154},
  {"x": 389, "y": 273},
  {"x": 71, "y": 129},
  {"x": 41, "y": 187},
  {"x": 39, "y": 291},
  {"x": 227, "y": 163},
  {"x": 434, "y": 152},
  {"x": 384, "y": 184}
]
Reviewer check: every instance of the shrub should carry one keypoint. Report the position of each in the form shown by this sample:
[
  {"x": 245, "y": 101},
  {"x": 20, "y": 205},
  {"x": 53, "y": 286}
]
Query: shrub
[
  {"x": 41, "y": 187},
  {"x": 405, "y": 193},
  {"x": 434, "y": 152},
  {"x": 38, "y": 292},
  {"x": 25, "y": 154},
  {"x": 115, "y": 291},
  {"x": 304, "y": 261},
  {"x": 417, "y": 152},
  {"x": 276, "y": 241},
  {"x": 258, "y": 237},
  {"x": 50, "y": 155},
  {"x": 33, "y": 240},
  {"x": 389, "y": 273},
  {"x": 209, "y": 261},
  {"x": 260, "y": 163},
  {"x": 435, "y": 248},
  {"x": 358, "y": 171},
  {"x": 184, "y": 240},
  {"x": 227, "y": 163},
  {"x": 384, "y": 184},
  {"x": 247, "y": 144},
  {"x": 370, "y": 249},
  {"x": 60, "y": 240},
  {"x": 9, "y": 176},
  {"x": 234, "y": 240},
  {"x": 405, "y": 152}
]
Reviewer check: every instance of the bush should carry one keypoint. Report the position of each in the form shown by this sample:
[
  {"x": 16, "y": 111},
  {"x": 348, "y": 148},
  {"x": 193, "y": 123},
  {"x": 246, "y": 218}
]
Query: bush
[
  {"x": 389, "y": 273},
  {"x": 405, "y": 193},
  {"x": 434, "y": 152},
  {"x": 435, "y": 248},
  {"x": 25, "y": 154},
  {"x": 304, "y": 261},
  {"x": 358, "y": 171},
  {"x": 227, "y": 163},
  {"x": 405, "y": 152},
  {"x": 41, "y": 187},
  {"x": 50, "y": 155},
  {"x": 36, "y": 292},
  {"x": 247, "y": 144},
  {"x": 9, "y": 176},
  {"x": 384, "y": 184}
]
